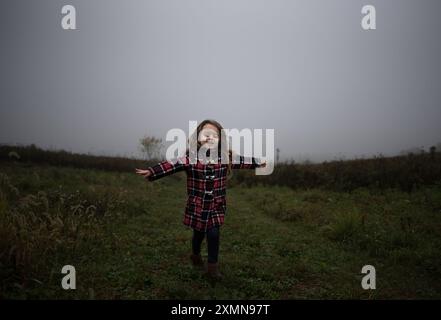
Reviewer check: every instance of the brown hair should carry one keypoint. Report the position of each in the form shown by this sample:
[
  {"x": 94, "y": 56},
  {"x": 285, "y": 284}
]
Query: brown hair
[{"x": 227, "y": 152}]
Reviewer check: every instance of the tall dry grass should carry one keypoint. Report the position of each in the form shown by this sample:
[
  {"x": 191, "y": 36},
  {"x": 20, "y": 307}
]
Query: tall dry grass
[{"x": 45, "y": 225}]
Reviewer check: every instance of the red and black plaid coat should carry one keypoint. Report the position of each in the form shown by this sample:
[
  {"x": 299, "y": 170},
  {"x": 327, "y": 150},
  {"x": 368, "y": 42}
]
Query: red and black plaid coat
[{"x": 206, "y": 187}]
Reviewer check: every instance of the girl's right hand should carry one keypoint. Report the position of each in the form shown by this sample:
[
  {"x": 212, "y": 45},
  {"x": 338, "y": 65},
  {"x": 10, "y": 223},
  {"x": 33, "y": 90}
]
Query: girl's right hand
[{"x": 144, "y": 173}]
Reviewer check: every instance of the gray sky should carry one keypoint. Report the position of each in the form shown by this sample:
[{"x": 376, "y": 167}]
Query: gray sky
[{"x": 304, "y": 68}]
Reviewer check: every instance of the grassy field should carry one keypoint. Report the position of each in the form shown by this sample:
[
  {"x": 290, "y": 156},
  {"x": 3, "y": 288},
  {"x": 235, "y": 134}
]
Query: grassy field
[{"x": 126, "y": 239}]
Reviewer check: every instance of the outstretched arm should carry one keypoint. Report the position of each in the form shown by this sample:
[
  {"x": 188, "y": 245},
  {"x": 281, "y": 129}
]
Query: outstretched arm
[
  {"x": 241, "y": 162},
  {"x": 164, "y": 168}
]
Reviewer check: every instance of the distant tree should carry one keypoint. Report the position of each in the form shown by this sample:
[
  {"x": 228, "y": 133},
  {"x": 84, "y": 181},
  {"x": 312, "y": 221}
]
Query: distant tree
[{"x": 150, "y": 147}]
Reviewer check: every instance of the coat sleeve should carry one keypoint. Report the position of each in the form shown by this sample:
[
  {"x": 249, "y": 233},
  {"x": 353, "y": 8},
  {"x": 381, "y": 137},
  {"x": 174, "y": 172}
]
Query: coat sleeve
[
  {"x": 167, "y": 167},
  {"x": 241, "y": 162}
]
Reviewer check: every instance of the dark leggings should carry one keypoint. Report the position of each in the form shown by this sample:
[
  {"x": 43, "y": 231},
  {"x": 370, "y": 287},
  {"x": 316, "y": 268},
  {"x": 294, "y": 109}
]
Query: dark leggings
[{"x": 212, "y": 243}]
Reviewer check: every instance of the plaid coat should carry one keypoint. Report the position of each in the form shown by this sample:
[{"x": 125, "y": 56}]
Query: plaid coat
[{"x": 206, "y": 187}]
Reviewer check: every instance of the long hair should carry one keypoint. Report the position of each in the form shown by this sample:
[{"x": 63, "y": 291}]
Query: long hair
[{"x": 223, "y": 149}]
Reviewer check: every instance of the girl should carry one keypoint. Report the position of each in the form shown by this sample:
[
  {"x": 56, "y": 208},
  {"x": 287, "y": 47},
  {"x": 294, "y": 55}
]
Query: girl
[{"x": 206, "y": 187}]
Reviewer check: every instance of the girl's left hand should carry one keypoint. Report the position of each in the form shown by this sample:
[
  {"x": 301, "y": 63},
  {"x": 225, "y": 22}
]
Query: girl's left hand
[{"x": 263, "y": 164}]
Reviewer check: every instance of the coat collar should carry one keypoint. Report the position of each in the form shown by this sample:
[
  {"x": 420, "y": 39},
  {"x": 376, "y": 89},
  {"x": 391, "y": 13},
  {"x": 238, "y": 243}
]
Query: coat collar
[{"x": 193, "y": 158}]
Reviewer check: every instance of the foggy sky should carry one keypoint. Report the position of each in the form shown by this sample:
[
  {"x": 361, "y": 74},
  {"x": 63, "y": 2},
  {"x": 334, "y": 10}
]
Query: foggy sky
[{"x": 304, "y": 68}]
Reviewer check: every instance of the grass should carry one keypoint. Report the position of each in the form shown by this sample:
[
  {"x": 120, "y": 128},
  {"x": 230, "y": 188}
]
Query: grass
[{"x": 126, "y": 239}]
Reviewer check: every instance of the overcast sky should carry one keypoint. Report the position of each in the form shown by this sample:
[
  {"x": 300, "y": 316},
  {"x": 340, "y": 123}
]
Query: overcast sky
[{"x": 301, "y": 67}]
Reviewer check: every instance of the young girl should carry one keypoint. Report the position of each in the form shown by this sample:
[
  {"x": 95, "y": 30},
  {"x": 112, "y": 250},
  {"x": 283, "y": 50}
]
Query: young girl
[{"x": 206, "y": 188}]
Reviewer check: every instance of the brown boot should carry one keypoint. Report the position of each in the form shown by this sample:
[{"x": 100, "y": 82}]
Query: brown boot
[
  {"x": 213, "y": 271},
  {"x": 197, "y": 261}
]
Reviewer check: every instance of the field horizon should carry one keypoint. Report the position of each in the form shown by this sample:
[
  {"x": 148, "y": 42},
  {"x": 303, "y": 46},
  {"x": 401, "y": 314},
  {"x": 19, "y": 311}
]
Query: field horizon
[{"x": 126, "y": 240}]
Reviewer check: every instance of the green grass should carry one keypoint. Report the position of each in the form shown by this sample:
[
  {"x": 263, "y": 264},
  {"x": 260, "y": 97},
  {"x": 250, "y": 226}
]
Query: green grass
[{"x": 126, "y": 239}]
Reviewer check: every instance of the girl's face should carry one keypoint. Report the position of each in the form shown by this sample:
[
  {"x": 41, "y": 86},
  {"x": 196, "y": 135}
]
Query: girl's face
[{"x": 209, "y": 136}]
